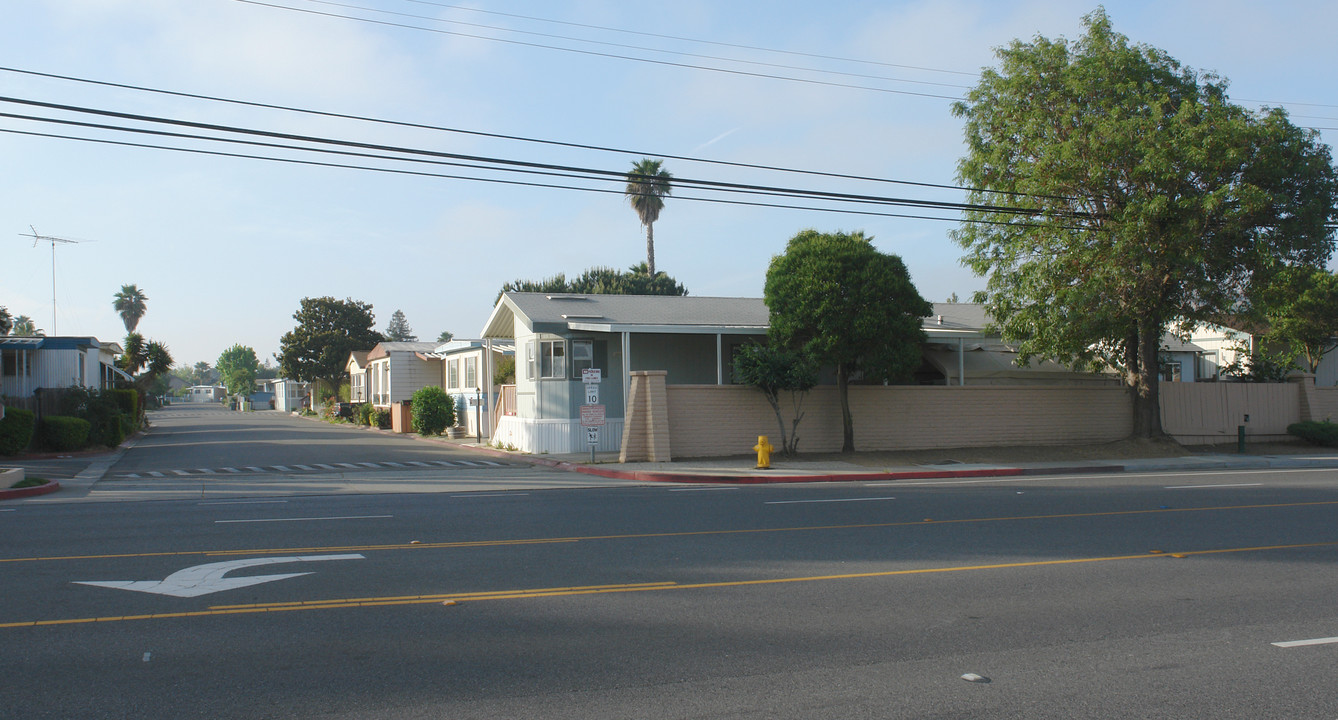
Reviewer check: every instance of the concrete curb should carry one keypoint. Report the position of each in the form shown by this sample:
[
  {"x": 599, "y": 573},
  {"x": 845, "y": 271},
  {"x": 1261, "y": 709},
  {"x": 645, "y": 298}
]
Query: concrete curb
[{"x": 13, "y": 494}]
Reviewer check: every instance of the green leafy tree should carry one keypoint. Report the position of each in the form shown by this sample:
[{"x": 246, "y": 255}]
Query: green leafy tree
[
  {"x": 1302, "y": 315},
  {"x": 200, "y": 373},
  {"x": 398, "y": 330},
  {"x": 6, "y": 320},
  {"x": 237, "y": 367},
  {"x": 25, "y": 327},
  {"x": 774, "y": 371},
  {"x": 445, "y": 336},
  {"x": 433, "y": 410},
  {"x": 504, "y": 370},
  {"x": 648, "y": 183},
  {"x": 327, "y": 331},
  {"x": 131, "y": 304},
  {"x": 838, "y": 300},
  {"x": 603, "y": 281},
  {"x": 1120, "y": 192}
]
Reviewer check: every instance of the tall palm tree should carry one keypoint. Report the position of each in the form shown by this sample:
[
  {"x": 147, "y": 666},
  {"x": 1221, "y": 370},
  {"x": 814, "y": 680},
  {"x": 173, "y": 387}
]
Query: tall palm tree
[
  {"x": 130, "y": 303},
  {"x": 25, "y": 327},
  {"x": 647, "y": 186}
]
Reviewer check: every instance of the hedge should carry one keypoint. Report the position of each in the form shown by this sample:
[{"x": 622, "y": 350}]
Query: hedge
[
  {"x": 62, "y": 432},
  {"x": 1319, "y": 433},
  {"x": 16, "y": 430}
]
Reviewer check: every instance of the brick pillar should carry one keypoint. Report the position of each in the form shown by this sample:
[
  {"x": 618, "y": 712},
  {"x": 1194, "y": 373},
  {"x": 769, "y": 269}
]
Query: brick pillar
[
  {"x": 646, "y": 421},
  {"x": 1305, "y": 383}
]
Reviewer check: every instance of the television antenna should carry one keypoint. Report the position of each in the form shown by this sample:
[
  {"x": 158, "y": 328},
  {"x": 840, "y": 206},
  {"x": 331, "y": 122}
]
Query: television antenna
[{"x": 53, "y": 240}]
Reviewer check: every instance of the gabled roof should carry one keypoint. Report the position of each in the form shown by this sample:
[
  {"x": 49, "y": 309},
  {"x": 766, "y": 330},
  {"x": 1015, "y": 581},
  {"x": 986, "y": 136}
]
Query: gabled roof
[
  {"x": 385, "y": 348},
  {"x": 555, "y": 312},
  {"x": 358, "y": 358}
]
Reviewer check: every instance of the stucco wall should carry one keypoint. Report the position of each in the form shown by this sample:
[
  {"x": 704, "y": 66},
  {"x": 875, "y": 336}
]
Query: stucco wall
[{"x": 726, "y": 420}]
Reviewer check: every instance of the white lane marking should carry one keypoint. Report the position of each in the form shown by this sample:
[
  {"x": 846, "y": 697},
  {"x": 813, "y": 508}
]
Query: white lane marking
[
  {"x": 300, "y": 519},
  {"x": 8, "y": 509},
  {"x": 474, "y": 495},
  {"x": 243, "y": 502},
  {"x": 836, "y": 500},
  {"x": 1194, "y": 487},
  {"x": 209, "y": 578},
  {"x": 148, "y": 656},
  {"x": 700, "y": 489},
  {"x": 1300, "y": 643}
]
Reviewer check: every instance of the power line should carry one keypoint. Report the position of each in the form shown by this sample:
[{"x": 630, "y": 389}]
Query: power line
[
  {"x": 480, "y": 133},
  {"x": 501, "y": 181},
  {"x": 625, "y": 46},
  {"x": 632, "y": 58},
  {"x": 502, "y": 163},
  {"x": 694, "y": 40}
]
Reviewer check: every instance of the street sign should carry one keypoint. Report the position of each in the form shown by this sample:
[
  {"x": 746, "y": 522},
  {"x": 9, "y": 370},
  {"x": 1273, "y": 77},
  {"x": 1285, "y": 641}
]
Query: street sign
[
  {"x": 590, "y": 376},
  {"x": 592, "y": 394},
  {"x": 205, "y": 579},
  {"x": 592, "y": 436},
  {"x": 592, "y": 415}
]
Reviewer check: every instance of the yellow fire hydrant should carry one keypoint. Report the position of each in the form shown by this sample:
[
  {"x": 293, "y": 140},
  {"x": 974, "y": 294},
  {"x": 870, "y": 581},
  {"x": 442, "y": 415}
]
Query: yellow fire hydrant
[{"x": 763, "y": 449}]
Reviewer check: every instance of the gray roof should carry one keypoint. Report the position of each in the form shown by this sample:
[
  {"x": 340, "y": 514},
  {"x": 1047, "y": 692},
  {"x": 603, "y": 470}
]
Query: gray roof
[{"x": 615, "y": 313}]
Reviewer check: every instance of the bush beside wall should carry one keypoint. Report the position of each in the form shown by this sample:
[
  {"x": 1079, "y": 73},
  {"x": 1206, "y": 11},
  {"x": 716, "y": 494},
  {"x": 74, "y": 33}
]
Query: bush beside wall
[
  {"x": 16, "y": 430},
  {"x": 1318, "y": 433},
  {"x": 61, "y": 433}
]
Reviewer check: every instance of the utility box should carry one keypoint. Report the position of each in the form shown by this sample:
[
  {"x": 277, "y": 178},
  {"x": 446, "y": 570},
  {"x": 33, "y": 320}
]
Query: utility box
[{"x": 401, "y": 417}]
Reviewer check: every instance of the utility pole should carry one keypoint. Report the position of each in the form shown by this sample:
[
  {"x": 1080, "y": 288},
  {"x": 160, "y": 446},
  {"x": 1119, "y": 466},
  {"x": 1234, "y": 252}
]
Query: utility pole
[{"x": 53, "y": 240}]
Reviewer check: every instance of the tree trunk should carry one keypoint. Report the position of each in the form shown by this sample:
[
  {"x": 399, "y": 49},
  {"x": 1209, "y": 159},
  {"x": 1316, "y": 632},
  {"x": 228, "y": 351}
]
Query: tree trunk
[
  {"x": 1146, "y": 391},
  {"x": 650, "y": 249},
  {"x": 847, "y": 422}
]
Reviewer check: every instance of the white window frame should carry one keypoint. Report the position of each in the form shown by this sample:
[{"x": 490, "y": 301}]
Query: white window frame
[
  {"x": 550, "y": 352},
  {"x": 471, "y": 372}
]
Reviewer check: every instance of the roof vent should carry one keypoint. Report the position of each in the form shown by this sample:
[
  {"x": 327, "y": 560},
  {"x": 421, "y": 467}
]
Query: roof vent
[
  {"x": 567, "y": 297},
  {"x": 569, "y": 316}
]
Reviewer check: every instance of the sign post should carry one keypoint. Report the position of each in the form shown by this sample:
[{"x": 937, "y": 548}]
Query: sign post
[{"x": 592, "y": 413}]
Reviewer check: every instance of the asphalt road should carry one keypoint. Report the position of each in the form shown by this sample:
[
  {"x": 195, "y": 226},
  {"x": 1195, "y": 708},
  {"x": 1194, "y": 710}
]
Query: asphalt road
[{"x": 1155, "y": 596}]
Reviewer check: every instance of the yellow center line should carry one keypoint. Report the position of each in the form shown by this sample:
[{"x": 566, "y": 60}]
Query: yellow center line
[
  {"x": 637, "y": 536},
  {"x": 452, "y": 598}
]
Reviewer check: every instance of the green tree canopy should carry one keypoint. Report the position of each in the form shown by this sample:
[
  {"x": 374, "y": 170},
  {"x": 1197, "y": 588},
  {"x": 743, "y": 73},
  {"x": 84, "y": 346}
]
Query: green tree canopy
[
  {"x": 237, "y": 368},
  {"x": 776, "y": 370},
  {"x": 1120, "y": 192},
  {"x": 327, "y": 331},
  {"x": 398, "y": 330},
  {"x": 6, "y": 320},
  {"x": 602, "y": 281},
  {"x": 432, "y": 409},
  {"x": 131, "y": 304},
  {"x": 838, "y": 300},
  {"x": 1302, "y": 315},
  {"x": 648, "y": 184},
  {"x": 445, "y": 336}
]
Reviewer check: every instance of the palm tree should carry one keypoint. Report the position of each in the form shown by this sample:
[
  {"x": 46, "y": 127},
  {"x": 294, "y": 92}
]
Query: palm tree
[
  {"x": 6, "y": 321},
  {"x": 647, "y": 185},
  {"x": 25, "y": 327},
  {"x": 130, "y": 304}
]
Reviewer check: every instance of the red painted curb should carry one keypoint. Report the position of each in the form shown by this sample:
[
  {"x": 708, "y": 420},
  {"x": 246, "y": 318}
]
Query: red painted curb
[{"x": 13, "y": 494}]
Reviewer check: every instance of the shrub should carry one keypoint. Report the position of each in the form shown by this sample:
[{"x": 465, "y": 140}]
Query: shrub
[
  {"x": 1319, "y": 433},
  {"x": 116, "y": 433},
  {"x": 62, "y": 432},
  {"x": 365, "y": 413},
  {"x": 381, "y": 418},
  {"x": 16, "y": 430},
  {"x": 433, "y": 410},
  {"x": 127, "y": 401}
]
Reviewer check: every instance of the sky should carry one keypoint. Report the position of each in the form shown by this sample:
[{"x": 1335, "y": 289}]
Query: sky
[{"x": 226, "y": 247}]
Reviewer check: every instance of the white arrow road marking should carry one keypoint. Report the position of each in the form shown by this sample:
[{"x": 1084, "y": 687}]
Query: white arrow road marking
[{"x": 204, "y": 579}]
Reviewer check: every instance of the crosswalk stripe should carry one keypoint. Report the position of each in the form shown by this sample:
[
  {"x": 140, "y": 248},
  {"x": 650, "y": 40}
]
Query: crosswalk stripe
[
  {"x": 350, "y": 466},
  {"x": 281, "y": 468},
  {"x": 302, "y": 467},
  {"x": 419, "y": 464},
  {"x": 253, "y": 468},
  {"x": 180, "y": 472},
  {"x": 370, "y": 465},
  {"x": 323, "y": 466},
  {"x": 467, "y": 462},
  {"x": 157, "y": 474},
  {"x": 392, "y": 464},
  {"x": 231, "y": 470},
  {"x": 443, "y": 463}
]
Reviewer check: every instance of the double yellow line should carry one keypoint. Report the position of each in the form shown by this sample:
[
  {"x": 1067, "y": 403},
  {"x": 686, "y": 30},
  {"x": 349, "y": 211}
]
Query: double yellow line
[{"x": 456, "y": 598}]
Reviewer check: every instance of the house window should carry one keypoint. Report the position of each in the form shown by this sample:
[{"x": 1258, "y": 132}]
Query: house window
[
  {"x": 552, "y": 359},
  {"x": 582, "y": 357},
  {"x": 471, "y": 372},
  {"x": 529, "y": 360},
  {"x": 453, "y": 374},
  {"x": 13, "y": 360}
]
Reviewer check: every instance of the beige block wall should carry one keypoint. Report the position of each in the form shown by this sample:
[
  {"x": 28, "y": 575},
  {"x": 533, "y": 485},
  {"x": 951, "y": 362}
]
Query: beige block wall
[
  {"x": 1210, "y": 413},
  {"x": 1325, "y": 404},
  {"x": 710, "y": 420}
]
